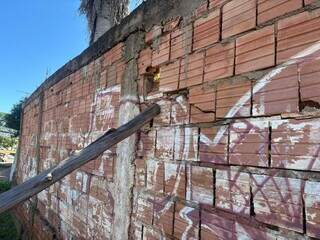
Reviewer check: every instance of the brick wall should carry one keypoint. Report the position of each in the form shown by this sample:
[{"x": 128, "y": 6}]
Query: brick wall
[{"x": 234, "y": 153}]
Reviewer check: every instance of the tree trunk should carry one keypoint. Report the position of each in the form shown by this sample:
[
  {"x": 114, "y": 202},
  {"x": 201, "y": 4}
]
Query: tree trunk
[{"x": 102, "y": 15}]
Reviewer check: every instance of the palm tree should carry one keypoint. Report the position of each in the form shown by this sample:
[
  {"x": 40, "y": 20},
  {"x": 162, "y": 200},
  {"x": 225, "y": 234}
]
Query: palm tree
[{"x": 102, "y": 15}]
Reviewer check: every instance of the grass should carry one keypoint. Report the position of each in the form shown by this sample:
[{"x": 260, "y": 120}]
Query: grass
[{"x": 7, "y": 226}]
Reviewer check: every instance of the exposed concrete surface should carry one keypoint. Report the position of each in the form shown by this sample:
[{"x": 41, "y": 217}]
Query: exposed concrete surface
[{"x": 126, "y": 150}]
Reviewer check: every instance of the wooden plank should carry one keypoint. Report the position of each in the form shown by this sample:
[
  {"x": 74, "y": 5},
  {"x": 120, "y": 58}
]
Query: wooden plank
[{"x": 40, "y": 182}]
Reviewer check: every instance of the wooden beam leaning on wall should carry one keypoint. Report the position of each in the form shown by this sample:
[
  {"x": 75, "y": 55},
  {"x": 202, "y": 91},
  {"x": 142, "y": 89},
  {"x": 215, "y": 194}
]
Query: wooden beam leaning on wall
[{"x": 22, "y": 192}]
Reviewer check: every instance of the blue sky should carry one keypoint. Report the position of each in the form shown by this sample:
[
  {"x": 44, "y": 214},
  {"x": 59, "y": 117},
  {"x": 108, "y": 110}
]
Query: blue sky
[{"x": 37, "y": 37}]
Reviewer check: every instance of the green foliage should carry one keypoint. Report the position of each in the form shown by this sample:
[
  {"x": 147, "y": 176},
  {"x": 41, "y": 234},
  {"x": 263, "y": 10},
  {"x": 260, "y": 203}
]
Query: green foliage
[
  {"x": 4, "y": 186},
  {"x": 7, "y": 226},
  {"x": 12, "y": 119},
  {"x": 2, "y": 119},
  {"x": 8, "y": 142}
]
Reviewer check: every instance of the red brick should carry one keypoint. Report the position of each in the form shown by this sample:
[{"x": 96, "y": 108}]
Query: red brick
[
  {"x": 216, "y": 3},
  {"x": 211, "y": 151},
  {"x": 280, "y": 94},
  {"x": 146, "y": 146},
  {"x": 114, "y": 55},
  {"x": 268, "y": 10},
  {"x": 154, "y": 33},
  {"x": 191, "y": 70},
  {"x": 180, "y": 113},
  {"x": 186, "y": 222},
  {"x": 164, "y": 117},
  {"x": 136, "y": 230},
  {"x": 233, "y": 191},
  {"x": 219, "y": 226},
  {"x": 307, "y": 2},
  {"x": 140, "y": 172},
  {"x": 214, "y": 226},
  {"x": 238, "y": 16},
  {"x": 312, "y": 207},
  {"x": 200, "y": 186},
  {"x": 165, "y": 143},
  {"x": 278, "y": 201},
  {"x": 175, "y": 182},
  {"x": 219, "y": 61},
  {"x": 186, "y": 144},
  {"x": 206, "y": 30},
  {"x": 255, "y": 50},
  {"x": 202, "y": 97},
  {"x": 144, "y": 210},
  {"x": 161, "y": 51},
  {"x": 202, "y": 9},
  {"x": 229, "y": 94},
  {"x": 202, "y": 100},
  {"x": 155, "y": 175},
  {"x": 294, "y": 144},
  {"x": 198, "y": 116},
  {"x": 144, "y": 60},
  {"x": 163, "y": 215},
  {"x": 108, "y": 166},
  {"x": 172, "y": 24},
  {"x": 296, "y": 34},
  {"x": 181, "y": 42},
  {"x": 309, "y": 75},
  {"x": 169, "y": 76},
  {"x": 151, "y": 234},
  {"x": 249, "y": 143}
]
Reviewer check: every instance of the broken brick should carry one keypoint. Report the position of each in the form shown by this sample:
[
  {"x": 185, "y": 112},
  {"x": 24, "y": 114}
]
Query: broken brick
[
  {"x": 309, "y": 74},
  {"x": 154, "y": 33},
  {"x": 202, "y": 100}
]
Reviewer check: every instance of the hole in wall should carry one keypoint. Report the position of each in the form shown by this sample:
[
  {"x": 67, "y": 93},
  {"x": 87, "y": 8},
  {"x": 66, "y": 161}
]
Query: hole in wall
[{"x": 151, "y": 80}]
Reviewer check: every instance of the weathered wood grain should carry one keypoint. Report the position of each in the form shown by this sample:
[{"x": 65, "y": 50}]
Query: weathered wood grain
[{"x": 44, "y": 180}]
